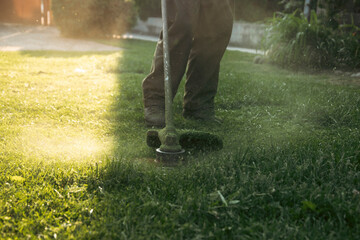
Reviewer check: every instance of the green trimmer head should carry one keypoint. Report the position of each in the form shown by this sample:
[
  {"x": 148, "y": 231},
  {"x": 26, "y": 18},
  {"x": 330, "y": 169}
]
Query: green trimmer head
[{"x": 189, "y": 141}]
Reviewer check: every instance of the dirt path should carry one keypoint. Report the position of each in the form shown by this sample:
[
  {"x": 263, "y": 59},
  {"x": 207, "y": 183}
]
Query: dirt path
[{"x": 14, "y": 37}]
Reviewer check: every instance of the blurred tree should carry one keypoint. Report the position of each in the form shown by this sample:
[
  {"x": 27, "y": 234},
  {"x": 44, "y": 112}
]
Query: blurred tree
[
  {"x": 290, "y": 6},
  {"x": 148, "y": 8},
  {"x": 247, "y": 10},
  {"x": 331, "y": 12},
  {"x": 259, "y": 10},
  {"x": 340, "y": 11},
  {"x": 255, "y": 10},
  {"x": 93, "y": 18}
]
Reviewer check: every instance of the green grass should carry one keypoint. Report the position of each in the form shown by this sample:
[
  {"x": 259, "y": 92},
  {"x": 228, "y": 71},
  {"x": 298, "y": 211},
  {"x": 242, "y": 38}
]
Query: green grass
[{"x": 74, "y": 163}]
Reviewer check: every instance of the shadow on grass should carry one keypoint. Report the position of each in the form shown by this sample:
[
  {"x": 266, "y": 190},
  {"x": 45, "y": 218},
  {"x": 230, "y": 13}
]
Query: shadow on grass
[
  {"x": 285, "y": 172},
  {"x": 129, "y": 126},
  {"x": 268, "y": 181}
]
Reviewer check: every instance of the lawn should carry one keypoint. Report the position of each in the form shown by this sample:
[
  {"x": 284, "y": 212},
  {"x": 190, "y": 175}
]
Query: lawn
[{"x": 74, "y": 162}]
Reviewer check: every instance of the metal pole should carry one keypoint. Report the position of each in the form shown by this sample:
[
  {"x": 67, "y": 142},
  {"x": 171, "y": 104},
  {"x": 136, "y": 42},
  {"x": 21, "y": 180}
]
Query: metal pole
[
  {"x": 167, "y": 69},
  {"x": 168, "y": 136},
  {"x": 42, "y": 12},
  {"x": 307, "y": 9}
]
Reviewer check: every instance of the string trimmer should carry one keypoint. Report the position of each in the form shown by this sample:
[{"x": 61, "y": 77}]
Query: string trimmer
[{"x": 168, "y": 142}]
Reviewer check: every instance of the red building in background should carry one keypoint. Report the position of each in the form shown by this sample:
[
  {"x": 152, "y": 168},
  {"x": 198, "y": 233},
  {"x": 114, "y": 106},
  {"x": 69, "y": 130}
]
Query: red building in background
[{"x": 26, "y": 11}]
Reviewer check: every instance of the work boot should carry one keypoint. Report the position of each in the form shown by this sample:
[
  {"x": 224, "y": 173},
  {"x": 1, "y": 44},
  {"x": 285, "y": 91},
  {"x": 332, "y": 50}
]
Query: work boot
[
  {"x": 202, "y": 115},
  {"x": 154, "y": 116}
]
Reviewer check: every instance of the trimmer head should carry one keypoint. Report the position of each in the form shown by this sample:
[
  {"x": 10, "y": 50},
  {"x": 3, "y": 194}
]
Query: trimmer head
[
  {"x": 170, "y": 158},
  {"x": 189, "y": 140}
]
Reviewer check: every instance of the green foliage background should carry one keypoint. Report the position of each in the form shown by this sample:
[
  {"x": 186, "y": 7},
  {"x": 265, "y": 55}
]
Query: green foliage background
[
  {"x": 259, "y": 10},
  {"x": 148, "y": 8},
  {"x": 333, "y": 9},
  {"x": 255, "y": 10},
  {"x": 247, "y": 10},
  {"x": 93, "y": 18},
  {"x": 292, "y": 41}
]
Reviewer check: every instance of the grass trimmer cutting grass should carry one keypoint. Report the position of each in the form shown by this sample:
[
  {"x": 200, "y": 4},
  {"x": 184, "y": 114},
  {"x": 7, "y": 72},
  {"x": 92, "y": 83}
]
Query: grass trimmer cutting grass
[{"x": 170, "y": 145}]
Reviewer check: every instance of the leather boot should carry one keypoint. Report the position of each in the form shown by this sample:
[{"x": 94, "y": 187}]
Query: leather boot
[{"x": 154, "y": 116}]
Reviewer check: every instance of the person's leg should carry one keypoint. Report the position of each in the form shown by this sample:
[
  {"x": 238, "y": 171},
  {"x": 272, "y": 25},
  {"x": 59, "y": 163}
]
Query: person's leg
[
  {"x": 211, "y": 38},
  {"x": 182, "y": 16}
]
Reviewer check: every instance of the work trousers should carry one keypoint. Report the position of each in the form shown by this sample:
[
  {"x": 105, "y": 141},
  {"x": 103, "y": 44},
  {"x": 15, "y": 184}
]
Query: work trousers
[{"x": 199, "y": 32}]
